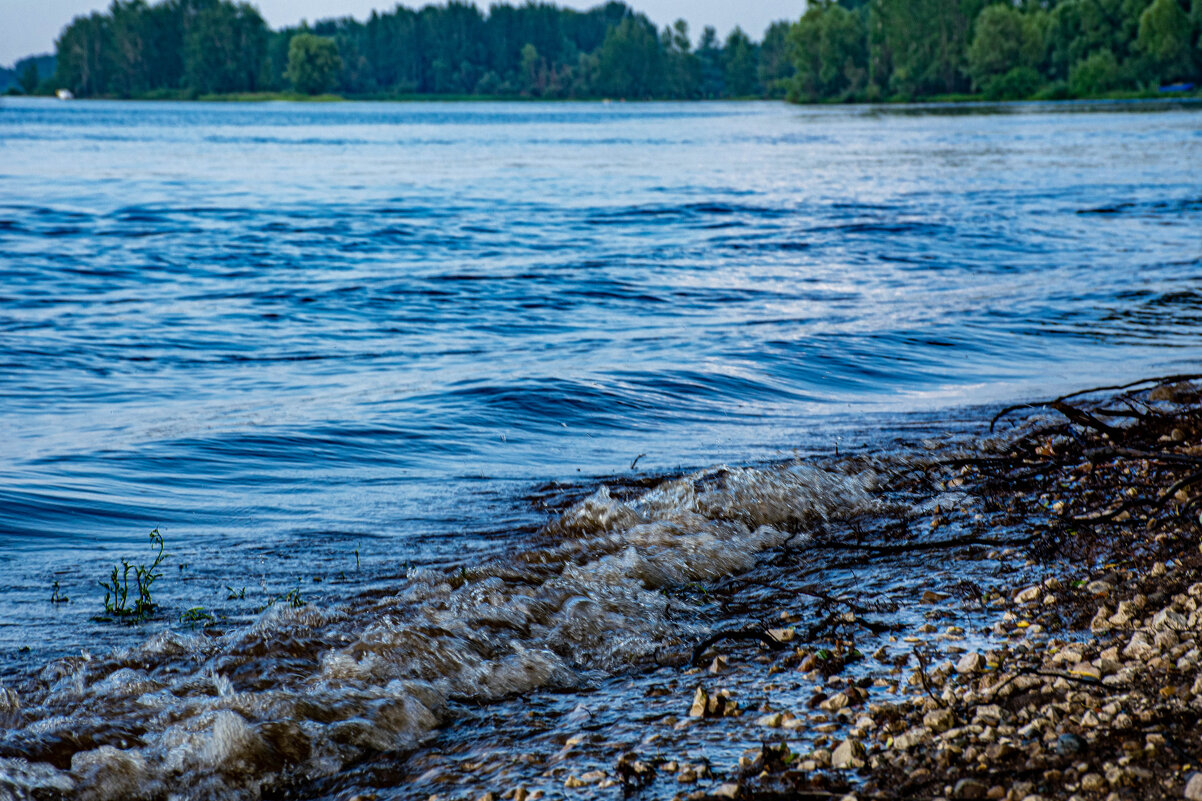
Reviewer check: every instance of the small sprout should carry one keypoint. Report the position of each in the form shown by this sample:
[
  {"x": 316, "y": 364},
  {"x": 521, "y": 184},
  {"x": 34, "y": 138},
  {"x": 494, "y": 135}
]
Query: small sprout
[
  {"x": 116, "y": 589},
  {"x": 356, "y": 556},
  {"x": 196, "y": 614},
  {"x": 293, "y": 599},
  {"x": 57, "y": 597},
  {"x": 236, "y": 595}
]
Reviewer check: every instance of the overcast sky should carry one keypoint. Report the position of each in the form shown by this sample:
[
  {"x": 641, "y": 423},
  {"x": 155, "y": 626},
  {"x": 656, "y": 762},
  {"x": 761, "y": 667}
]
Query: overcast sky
[{"x": 31, "y": 26}]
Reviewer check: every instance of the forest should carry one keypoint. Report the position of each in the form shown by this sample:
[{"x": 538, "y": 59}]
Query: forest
[{"x": 845, "y": 51}]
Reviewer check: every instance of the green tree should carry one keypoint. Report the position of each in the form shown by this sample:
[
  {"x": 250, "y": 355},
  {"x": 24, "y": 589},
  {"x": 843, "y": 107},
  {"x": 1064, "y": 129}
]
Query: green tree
[
  {"x": 682, "y": 67},
  {"x": 709, "y": 54},
  {"x": 1005, "y": 40},
  {"x": 1095, "y": 75},
  {"x": 830, "y": 53},
  {"x": 532, "y": 70},
  {"x": 224, "y": 48},
  {"x": 740, "y": 59},
  {"x": 313, "y": 63},
  {"x": 28, "y": 80},
  {"x": 776, "y": 61},
  {"x": 629, "y": 60},
  {"x": 1164, "y": 41},
  {"x": 921, "y": 45},
  {"x": 84, "y": 58}
]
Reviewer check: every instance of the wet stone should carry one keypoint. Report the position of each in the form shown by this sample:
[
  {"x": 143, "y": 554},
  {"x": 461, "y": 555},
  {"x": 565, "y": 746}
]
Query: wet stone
[
  {"x": 939, "y": 720},
  {"x": 849, "y": 754},
  {"x": 1069, "y": 744},
  {"x": 970, "y": 789},
  {"x": 1193, "y": 788}
]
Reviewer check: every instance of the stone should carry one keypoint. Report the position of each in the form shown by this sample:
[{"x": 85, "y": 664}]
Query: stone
[
  {"x": 782, "y": 635},
  {"x": 939, "y": 720},
  {"x": 1029, "y": 595},
  {"x": 1086, "y": 671},
  {"x": 1101, "y": 621},
  {"x": 1139, "y": 647},
  {"x": 573, "y": 783},
  {"x": 1069, "y": 744},
  {"x": 727, "y": 790},
  {"x": 1166, "y": 640},
  {"x": 1193, "y": 788},
  {"x": 970, "y": 663},
  {"x": 970, "y": 789},
  {"x": 849, "y": 754},
  {"x": 1093, "y": 783},
  {"x": 700, "y": 702},
  {"x": 835, "y": 702},
  {"x": 772, "y": 721},
  {"x": 718, "y": 665},
  {"x": 1167, "y": 619}
]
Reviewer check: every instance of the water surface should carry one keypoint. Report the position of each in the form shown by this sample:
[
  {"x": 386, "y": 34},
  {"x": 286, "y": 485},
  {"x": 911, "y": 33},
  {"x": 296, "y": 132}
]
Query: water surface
[{"x": 320, "y": 345}]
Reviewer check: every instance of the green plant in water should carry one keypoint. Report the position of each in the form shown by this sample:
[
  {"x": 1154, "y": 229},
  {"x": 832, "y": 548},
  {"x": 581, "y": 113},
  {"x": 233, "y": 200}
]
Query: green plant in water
[
  {"x": 117, "y": 588},
  {"x": 196, "y": 614},
  {"x": 236, "y": 595},
  {"x": 57, "y": 597},
  {"x": 292, "y": 598}
]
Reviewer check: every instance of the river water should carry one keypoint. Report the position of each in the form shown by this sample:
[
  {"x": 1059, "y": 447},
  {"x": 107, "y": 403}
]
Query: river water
[{"x": 339, "y": 353}]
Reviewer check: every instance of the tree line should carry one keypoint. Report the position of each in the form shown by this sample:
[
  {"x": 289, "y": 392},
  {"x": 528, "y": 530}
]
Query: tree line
[
  {"x": 204, "y": 47},
  {"x": 911, "y": 49},
  {"x": 840, "y": 50}
]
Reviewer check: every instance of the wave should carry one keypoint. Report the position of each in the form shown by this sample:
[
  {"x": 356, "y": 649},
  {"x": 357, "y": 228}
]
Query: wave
[{"x": 304, "y": 692}]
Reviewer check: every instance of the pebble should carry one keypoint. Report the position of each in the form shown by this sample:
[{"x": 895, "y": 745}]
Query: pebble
[
  {"x": 970, "y": 663},
  {"x": 1086, "y": 671},
  {"x": 849, "y": 754},
  {"x": 1029, "y": 595},
  {"x": 835, "y": 702},
  {"x": 970, "y": 789},
  {"x": 939, "y": 720},
  {"x": 1069, "y": 744},
  {"x": 1193, "y": 788}
]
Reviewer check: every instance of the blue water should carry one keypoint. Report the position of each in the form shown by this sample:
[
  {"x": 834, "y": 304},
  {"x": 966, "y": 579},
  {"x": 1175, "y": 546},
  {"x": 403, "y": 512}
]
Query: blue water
[{"x": 297, "y": 337}]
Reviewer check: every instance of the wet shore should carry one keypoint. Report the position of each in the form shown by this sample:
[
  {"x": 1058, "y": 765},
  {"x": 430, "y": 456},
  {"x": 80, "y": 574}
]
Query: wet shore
[
  {"x": 1009, "y": 613},
  {"x": 1017, "y": 620}
]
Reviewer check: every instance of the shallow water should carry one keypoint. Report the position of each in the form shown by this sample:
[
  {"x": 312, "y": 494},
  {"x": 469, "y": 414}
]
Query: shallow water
[{"x": 347, "y": 349}]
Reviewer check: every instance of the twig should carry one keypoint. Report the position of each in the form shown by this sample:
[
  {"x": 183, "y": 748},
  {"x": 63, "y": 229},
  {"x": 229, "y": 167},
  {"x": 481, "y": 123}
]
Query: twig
[{"x": 760, "y": 634}]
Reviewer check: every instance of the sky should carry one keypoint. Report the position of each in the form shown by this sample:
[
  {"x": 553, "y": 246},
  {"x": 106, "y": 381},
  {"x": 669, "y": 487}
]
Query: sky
[{"x": 31, "y": 26}]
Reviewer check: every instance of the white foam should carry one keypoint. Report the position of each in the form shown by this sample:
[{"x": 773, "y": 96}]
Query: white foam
[{"x": 306, "y": 691}]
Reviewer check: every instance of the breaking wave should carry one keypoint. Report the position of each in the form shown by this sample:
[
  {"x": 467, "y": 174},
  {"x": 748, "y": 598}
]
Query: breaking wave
[{"x": 304, "y": 692}]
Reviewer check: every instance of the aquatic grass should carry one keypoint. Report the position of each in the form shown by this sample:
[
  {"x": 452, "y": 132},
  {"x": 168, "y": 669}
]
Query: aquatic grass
[
  {"x": 117, "y": 589},
  {"x": 197, "y": 614},
  {"x": 57, "y": 597}
]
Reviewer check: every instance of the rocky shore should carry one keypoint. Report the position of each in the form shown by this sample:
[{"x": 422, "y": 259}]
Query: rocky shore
[
  {"x": 1047, "y": 644},
  {"x": 1082, "y": 677},
  {"x": 1016, "y": 619}
]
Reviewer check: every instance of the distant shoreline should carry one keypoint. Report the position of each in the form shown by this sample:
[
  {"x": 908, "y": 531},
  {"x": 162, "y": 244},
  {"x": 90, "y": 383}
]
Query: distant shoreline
[{"x": 946, "y": 100}]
